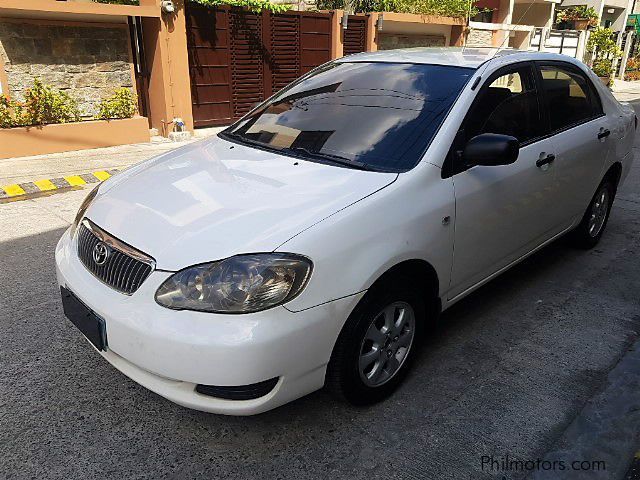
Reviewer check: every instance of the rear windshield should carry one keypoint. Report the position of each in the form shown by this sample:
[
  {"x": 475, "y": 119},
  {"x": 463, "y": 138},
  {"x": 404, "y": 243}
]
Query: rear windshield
[{"x": 374, "y": 116}]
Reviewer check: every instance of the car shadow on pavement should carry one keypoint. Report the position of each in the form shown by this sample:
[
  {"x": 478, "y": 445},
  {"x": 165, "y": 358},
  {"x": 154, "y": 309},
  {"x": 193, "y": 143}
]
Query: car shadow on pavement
[{"x": 504, "y": 372}]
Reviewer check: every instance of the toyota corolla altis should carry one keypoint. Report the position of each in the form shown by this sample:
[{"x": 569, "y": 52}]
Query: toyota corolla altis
[{"x": 310, "y": 243}]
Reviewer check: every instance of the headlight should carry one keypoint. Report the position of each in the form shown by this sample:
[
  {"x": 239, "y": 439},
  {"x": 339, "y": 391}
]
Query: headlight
[
  {"x": 83, "y": 209},
  {"x": 240, "y": 284}
]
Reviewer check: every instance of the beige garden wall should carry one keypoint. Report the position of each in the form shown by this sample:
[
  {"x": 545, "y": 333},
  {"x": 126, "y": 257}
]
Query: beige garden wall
[{"x": 39, "y": 140}]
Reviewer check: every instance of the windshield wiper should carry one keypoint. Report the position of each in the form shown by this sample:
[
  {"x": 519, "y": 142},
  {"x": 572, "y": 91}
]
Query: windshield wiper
[
  {"x": 335, "y": 159},
  {"x": 242, "y": 139},
  {"x": 303, "y": 152}
]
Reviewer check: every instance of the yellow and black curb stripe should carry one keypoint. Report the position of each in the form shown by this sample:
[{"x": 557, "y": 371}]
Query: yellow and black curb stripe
[{"x": 18, "y": 191}]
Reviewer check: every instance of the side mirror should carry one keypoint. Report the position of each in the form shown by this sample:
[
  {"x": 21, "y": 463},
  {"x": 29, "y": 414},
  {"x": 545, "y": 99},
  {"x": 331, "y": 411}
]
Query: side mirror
[{"x": 491, "y": 149}]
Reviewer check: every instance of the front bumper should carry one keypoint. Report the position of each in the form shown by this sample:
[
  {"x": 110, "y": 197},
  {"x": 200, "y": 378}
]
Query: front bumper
[{"x": 170, "y": 352}]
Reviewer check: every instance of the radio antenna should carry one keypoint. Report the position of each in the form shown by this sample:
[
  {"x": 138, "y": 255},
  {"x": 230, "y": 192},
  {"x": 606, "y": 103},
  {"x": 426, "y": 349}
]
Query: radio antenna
[{"x": 468, "y": 22}]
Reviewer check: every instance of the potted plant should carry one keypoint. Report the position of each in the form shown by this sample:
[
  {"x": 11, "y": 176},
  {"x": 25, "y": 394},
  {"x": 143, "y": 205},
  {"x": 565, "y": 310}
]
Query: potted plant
[
  {"x": 603, "y": 68},
  {"x": 580, "y": 17},
  {"x": 604, "y": 50}
]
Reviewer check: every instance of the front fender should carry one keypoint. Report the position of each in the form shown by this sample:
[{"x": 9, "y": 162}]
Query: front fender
[{"x": 353, "y": 248}]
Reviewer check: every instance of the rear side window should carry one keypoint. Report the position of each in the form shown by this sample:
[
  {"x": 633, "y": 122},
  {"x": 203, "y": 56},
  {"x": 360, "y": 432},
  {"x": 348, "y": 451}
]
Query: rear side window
[
  {"x": 507, "y": 106},
  {"x": 571, "y": 97}
]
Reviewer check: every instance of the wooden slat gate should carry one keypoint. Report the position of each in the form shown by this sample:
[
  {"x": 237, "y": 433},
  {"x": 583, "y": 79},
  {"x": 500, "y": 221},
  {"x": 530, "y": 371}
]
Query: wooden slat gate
[
  {"x": 238, "y": 58},
  {"x": 355, "y": 35}
]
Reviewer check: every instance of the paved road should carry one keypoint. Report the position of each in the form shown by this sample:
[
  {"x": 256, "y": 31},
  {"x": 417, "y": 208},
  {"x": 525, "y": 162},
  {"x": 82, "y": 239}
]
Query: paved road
[{"x": 506, "y": 373}]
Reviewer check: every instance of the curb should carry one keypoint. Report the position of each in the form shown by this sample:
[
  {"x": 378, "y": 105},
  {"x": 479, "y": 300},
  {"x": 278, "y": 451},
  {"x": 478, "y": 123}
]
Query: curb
[{"x": 18, "y": 190}]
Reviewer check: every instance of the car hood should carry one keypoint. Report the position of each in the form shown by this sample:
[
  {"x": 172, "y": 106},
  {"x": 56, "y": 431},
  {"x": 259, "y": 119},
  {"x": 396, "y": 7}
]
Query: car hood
[{"x": 214, "y": 199}]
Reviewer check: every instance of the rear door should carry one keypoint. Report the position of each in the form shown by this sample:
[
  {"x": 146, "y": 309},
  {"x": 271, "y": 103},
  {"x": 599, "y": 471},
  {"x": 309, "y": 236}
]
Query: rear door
[
  {"x": 581, "y": 135},
  {"x": 502, "y": 212}
]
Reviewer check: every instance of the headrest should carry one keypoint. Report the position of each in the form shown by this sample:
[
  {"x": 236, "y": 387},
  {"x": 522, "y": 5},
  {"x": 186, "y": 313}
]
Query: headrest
[{"x": 557, "y": 87}]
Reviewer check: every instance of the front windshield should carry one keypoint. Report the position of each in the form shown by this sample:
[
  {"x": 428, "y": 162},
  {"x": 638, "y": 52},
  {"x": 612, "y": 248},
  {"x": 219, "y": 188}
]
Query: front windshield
[{"x": 379, "y": 116}]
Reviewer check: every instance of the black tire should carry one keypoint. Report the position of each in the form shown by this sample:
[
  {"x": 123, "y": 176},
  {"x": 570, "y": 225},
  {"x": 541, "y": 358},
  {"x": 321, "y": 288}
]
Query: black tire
[
  {"x": 343, "y": 378},
  {"x": 584, "y": 235}
]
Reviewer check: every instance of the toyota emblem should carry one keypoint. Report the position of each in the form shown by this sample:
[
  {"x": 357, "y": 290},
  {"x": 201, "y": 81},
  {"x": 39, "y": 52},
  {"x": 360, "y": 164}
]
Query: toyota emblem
[{"x": 100, "y": 253}]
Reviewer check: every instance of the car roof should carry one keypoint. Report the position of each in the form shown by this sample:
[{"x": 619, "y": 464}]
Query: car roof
[{"x": 469, "y": 57}]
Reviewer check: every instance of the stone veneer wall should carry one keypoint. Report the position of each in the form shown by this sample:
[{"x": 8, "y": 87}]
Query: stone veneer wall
[
  {"x": 87, "y": 62},
  {"x": 389, "y": 41},
  {"x": 480, "y": 38}
]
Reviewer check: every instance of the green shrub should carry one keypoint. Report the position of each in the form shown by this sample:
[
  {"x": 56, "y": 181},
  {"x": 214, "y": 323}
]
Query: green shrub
[
  {"x": 6, "y": 112},
  {"x": 603, "y": 68},
  {"x": 602, "y": 42},
  {"x": 42, "y": 105},
  {"x": 602, "y": 45},
  {"x": 445, "y": 8},
  {"x": 122, "y": 104},
  {"x": 253, "y": 5},
  {"x": 45, "y": 105}
]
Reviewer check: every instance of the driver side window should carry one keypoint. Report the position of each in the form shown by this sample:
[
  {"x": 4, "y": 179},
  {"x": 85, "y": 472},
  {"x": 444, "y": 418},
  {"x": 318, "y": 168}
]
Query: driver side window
[{"x": 508, "y": 105}]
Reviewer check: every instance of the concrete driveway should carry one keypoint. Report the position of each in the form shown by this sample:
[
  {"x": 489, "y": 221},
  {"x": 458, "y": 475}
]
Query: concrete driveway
[{"x": 507, "y": 373}]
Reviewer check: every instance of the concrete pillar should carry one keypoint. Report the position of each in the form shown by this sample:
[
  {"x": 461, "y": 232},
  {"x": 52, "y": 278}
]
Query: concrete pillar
[
  {"x": 521, "y": 39},
  {"x": 627, "y": 11},
  {"x": 543, "y": 38},
  {"x": 371, "y": 42},
  {"x": 503, "y": 15},
  {"x": 505, "y": 12},
  {"x": 4, "y": 82},
  {"x": 457, "y": 36},
  {"x": 582, "y": 45},
  {"x": 625, "y": 55},
  {"x": 337, "y": 45},
  {"x": 617, "y": 60},
  {"x": 552, "y": 12},
  {"x": 600, "y": 8},
  {"x": 165, "y": 43}
]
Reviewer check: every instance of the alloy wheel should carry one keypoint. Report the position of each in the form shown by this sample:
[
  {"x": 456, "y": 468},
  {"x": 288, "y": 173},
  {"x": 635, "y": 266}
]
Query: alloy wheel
[
  {"x": 599, "y": 210},
  {"x": 386, "y": 344}
]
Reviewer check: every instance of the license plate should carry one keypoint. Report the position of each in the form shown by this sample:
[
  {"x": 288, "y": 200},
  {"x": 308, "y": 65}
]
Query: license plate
[{"x": 90, "y": 324}]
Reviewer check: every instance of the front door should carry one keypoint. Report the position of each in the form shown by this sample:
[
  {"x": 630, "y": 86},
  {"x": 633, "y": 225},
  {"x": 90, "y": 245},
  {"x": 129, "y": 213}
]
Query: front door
[{"x": 502, "y": 212}]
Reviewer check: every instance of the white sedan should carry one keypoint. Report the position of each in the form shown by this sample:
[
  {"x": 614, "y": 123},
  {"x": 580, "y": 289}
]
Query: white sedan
[{"x": 310, "y": 243}]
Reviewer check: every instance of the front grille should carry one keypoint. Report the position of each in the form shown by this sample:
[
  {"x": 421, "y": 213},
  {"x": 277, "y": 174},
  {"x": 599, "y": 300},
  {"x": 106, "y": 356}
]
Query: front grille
[{"x": 113, "y": 262}]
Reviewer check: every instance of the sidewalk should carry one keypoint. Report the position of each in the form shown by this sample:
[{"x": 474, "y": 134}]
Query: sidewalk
[
  {"x": 28, "y": 169},
  {"x": 626, "y": 91}
]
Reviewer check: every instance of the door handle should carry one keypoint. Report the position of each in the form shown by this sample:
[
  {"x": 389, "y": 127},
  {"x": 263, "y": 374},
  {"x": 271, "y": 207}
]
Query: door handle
[
  {"x": 545, "y": 161},
  {"x": 604, "y": 133}
]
